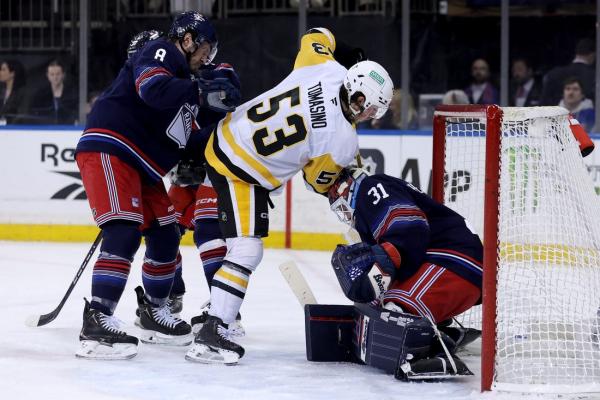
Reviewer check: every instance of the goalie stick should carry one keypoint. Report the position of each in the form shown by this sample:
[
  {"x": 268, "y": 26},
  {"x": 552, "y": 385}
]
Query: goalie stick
[
  {"x": 297, "y": 283},
  {"x": 39, "y": 320}
]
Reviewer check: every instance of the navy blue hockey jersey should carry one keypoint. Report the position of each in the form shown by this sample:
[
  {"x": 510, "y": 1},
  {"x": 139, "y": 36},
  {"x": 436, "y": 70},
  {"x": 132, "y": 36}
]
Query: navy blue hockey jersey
[
  {"x": 147, "y": 115},
  {"x": 391, "y": 210}
]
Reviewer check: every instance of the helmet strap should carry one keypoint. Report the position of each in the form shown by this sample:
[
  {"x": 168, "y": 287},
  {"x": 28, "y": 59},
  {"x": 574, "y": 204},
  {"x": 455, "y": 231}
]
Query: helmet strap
[{"x": 188, "y": 54}]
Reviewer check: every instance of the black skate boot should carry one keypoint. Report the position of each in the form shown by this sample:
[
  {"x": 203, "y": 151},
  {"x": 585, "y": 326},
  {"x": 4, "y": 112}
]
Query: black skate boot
[
  {"x": 159, "y": 325},
  {"x": 175, "y": 304},
  {"x": 211, "y": 345},
  {"x": 235, "y": 329},
  {"x": 101, "y": 339}
]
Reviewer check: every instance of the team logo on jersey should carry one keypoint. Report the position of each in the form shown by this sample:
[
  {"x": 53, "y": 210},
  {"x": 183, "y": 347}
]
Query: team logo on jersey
[
  {"x": 181, "y": 126},
  {"x": 377, "y": 77},
  {"x": 135, "y": 202}
]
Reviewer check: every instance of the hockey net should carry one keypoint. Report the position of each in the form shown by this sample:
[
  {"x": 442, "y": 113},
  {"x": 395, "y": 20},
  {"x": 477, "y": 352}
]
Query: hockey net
[{"x": 518, "y": 177}]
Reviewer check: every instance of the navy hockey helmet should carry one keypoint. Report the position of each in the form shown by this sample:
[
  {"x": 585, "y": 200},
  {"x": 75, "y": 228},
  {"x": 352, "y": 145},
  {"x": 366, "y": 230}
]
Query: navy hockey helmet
[
  {"x": 342, "y": 194},
  {"x": 199, "y": 27},
  {"x": 139, "y": 40}
]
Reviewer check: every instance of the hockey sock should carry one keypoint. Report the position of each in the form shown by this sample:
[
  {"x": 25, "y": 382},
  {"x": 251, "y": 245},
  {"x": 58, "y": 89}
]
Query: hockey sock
[
  {"x": 120, "y": 241},
  {"x": 211, "y": 254},
  {"x": 158, "y": 270},
  {"x": 211, "y": 246},
  {"x": 108, "y": 282},
  {"x": 178, "y": 288},
  {"x": 228, "y": 290}
]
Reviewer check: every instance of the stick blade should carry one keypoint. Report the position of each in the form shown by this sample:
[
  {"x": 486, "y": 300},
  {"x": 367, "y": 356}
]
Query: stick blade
[
  {"x": 33, "y": 321},
  {"x": 295, "y": 280}
]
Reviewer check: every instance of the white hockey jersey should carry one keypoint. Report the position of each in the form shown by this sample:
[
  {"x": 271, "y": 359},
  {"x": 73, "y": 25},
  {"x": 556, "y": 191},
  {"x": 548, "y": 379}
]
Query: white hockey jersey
[{"x": 297, "y": 125}]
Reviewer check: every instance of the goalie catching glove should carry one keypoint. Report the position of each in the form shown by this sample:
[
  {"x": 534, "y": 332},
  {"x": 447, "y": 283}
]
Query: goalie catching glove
[{"x": 364, "y": 271}]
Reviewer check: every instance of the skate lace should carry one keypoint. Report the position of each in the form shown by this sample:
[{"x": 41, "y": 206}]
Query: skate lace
[
  {"x": 111, "y": 324},
  {"x": 164, "y": 317},
  {"x": 223, "y": 332}
]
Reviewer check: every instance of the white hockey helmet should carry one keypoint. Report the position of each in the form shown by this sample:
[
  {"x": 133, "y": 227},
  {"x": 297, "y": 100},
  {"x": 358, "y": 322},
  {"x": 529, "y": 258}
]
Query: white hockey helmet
[{"x": 374, "y": 83}]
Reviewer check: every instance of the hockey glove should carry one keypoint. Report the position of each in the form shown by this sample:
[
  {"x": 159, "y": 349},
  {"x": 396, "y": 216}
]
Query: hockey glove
[
  {"x": 363, "y": 271},
  {"x": 187, "y": 173},
  {"x": 222, "y": 70},
  {"x": 218, "y": 94}
]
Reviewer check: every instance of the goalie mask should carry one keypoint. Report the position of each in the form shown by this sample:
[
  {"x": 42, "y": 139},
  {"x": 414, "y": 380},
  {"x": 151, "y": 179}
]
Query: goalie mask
[
  {"x": 371, "y": 80},
  {"x": 342, "y": 194}
]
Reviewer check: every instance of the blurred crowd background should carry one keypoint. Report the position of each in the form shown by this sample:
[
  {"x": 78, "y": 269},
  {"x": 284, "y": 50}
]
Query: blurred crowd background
[{"x": 454, "y": 53}]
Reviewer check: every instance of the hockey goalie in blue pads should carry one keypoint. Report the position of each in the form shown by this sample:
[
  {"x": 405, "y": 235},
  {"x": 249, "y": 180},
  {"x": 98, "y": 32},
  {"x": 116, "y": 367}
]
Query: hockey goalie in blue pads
[{"x": 418, "y": 265}]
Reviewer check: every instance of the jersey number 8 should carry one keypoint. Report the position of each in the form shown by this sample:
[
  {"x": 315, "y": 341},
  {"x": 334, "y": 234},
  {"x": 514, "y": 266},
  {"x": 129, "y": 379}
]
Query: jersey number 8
[{"x": 277, "y": 140}]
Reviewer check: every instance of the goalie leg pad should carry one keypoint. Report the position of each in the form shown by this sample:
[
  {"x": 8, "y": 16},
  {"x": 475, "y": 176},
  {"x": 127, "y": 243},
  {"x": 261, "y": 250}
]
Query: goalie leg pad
[
  {"x": 329, "y": 331},
  {"x": 386, "y": 339}
]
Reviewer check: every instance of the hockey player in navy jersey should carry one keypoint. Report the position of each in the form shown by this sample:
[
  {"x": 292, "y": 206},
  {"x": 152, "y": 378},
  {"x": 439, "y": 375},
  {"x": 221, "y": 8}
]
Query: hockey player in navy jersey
[
  {"x": 194, "y": 198},
  {"x": 138, "y": 130},
  {"x": 416, "y": 256}
]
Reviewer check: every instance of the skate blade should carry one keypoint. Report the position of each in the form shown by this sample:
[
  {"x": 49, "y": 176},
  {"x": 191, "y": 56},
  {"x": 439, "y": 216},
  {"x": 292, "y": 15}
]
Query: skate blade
[
  {"x": 92, "y": 350},
  {"x": 201, "y": 353},
  {"x": 153, "y": 337},
  {"x": 434, "y": 376}
]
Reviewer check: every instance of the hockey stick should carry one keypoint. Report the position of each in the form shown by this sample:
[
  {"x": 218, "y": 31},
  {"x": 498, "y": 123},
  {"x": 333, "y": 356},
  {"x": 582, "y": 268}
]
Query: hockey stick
[
  {"x": 39, "y": 320},
  {"x": 297, "y": 283}
]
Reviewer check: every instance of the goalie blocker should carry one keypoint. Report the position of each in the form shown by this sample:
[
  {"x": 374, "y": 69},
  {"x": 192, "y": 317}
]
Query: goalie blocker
[{"x": 405, "y": 345}]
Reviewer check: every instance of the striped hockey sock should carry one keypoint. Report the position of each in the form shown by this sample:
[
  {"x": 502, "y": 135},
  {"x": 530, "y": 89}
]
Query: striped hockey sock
[
  {"x": 158, "y": 279},
  {"x": 178, "y": 283},
  {"x": 108, "y": 282},
  {"x": 228, "y": 290},
  {"x": 211, "y": 254}
]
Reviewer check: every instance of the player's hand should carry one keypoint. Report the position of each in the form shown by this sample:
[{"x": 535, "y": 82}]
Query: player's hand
[
  {"x": 222, "y": 70},
  {"x": 218, "y": 94}
]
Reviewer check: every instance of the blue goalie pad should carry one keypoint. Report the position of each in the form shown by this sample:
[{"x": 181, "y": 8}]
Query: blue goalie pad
[
  {"x": 329, "y": 330},
  {"x": 386, "y": 339}
]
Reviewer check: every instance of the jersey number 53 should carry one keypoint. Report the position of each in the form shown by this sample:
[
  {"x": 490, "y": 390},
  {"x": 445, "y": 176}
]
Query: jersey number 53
[{"x": 270, "y": 142}]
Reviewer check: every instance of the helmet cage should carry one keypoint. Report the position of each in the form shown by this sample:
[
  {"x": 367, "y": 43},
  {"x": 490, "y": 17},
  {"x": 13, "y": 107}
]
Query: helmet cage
[{"x": 342, "y": 194}]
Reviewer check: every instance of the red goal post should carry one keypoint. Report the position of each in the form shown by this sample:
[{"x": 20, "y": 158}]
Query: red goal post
[{"x": 518, "y": 175}]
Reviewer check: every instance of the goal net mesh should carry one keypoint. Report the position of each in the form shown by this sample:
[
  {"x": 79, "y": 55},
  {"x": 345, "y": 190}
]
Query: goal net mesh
[{"x": 548, "y": 264}]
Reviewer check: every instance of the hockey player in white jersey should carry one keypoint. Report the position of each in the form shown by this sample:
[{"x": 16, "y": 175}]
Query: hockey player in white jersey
[{"x": 306, "y": 123}]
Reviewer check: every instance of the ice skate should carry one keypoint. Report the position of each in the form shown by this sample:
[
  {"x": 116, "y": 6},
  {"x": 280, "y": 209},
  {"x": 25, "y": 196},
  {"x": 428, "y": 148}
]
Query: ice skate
[
  {"x": 102, "y": 339},
  {"x": 235, "y": 329},
  {"x": 211, "y": 345},
  {"x": 159, "y": 325}
]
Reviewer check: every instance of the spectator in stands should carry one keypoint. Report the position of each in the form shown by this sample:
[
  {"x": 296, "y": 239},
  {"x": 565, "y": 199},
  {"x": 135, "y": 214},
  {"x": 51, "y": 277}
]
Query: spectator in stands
[
  {"x": 574, "y": 100},
  {"x": 481, "y": 90},
  {"x": 525, "y": 91},
  {"x": 455, "y": 96},
  {"x": 55, "y": 102},
  {"x": 92, "y": 97},
  {"x": 12, "y": 99},
  {"x": 581, "y": 68},
  {"x": 393, "y": 118}
]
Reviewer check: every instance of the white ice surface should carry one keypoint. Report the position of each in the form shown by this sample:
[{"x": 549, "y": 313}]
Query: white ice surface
[{"x": 39, "y": 363}]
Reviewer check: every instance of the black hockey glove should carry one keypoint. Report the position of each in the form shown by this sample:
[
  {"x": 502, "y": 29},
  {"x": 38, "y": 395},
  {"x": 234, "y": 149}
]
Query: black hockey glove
[
  {"x": 218, "y": 94},
  {"x": 187, "y": 173},
  {"x": 348, "y": 55},
  {"x": 222, "y": 70},
  {"x": 364, "y": 271}
]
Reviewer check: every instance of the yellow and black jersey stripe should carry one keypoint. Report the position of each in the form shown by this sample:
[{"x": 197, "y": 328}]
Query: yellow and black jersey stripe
[
  {"x": 321, "y": 172},
  {"x": 316, "y": 47}
]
